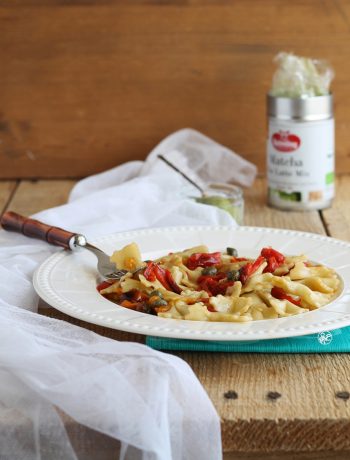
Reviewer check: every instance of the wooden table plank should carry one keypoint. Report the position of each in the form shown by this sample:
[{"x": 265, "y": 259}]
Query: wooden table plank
[
  {"x": 35, "y": 196},
  {"x": 308, "y": 419},
  {"x": 337, "y": 218},
  {"x": 7, "y": 188},
  {"x": 296, "y": 455}
]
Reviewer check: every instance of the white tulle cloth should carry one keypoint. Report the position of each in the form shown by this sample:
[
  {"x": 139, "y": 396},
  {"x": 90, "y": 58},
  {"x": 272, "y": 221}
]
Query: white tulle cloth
[{"x": 151, "y": 401}]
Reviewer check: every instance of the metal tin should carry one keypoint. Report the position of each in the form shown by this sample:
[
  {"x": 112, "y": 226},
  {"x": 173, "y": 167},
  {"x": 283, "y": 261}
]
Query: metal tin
[
  {"x": 300, "y": 109},
  {"x": 300, "y": 152}
]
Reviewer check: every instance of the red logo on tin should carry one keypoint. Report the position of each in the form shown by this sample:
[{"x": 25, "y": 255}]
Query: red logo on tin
[{"x": 285, "y": 142}]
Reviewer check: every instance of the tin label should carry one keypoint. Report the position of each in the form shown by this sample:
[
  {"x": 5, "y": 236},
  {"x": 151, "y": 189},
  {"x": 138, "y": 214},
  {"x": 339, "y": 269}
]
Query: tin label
[
  {"x": 284, "y": 141},
  {"x": 300, "y": 161}
]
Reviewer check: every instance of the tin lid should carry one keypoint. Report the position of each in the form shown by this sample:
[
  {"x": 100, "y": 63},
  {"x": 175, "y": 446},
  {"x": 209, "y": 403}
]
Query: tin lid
[{"x": 302, "y": 109}]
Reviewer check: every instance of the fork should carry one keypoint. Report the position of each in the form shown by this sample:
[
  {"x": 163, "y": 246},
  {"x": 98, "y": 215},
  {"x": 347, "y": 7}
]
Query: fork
[{"x": 13, "y": 222}]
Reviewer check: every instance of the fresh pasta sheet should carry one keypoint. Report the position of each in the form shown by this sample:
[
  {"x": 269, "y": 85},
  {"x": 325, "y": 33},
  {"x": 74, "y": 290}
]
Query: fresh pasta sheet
[{"x": 199, "y": 285}]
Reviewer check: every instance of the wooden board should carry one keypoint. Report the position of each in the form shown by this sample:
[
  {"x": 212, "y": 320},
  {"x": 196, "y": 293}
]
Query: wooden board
[{"x": 87, "y": 85}]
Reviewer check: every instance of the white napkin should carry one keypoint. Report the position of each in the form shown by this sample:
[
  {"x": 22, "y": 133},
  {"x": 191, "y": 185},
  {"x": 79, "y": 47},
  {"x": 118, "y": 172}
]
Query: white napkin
[{"x": 128, "y": 391}]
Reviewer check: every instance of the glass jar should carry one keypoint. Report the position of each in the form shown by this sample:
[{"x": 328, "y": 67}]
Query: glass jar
[{"x": 225, "y": 196}]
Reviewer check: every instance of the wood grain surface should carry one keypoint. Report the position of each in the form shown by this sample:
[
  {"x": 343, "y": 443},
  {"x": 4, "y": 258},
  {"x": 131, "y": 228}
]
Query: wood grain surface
[
  {"x": 337, "y": 218},
  {"x": 34, "y": 196},
  {"x": 7, "y": 189},
  {"x": 308, "y": 421},
  {"x": 86, "y": 85}
]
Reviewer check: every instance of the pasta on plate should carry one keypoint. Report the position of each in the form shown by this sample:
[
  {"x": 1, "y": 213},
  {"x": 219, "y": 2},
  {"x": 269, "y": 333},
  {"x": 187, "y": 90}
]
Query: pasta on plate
[{"x": 199, "y": 285}]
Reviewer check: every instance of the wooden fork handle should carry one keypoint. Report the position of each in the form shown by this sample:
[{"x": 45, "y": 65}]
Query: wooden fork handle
[{"x": 14, "y": 222}]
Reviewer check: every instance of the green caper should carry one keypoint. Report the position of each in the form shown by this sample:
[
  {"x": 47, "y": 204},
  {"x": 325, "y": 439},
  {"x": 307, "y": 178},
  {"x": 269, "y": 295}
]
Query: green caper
[
  {"x": 233, "y": 275},
  {"x": 211, "y": 271},
  {"x": 156, "y": 293},
  {"x": 232, "y": 252},
  {"x": 159, "y": 303}
]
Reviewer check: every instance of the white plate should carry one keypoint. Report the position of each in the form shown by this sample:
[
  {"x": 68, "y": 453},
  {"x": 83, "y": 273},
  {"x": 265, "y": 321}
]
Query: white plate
[{"x": 67, "y": 281}]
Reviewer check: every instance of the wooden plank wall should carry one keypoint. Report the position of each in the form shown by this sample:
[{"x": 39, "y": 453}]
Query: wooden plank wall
[{"x": 88, "y": 84}]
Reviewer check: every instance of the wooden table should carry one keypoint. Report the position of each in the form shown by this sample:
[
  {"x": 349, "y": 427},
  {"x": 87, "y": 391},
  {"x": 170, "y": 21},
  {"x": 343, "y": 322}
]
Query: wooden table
[{"x": 308, "y": 421}]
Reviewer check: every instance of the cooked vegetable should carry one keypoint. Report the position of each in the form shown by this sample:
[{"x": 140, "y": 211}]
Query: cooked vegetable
[
  {"x": 214, "y": 285},
  {"x": 247, "y": 270},
  {"x": 154, "y": 271},
  {"x": 209, "y": 271},
  {"x": 159, "y": 303},
  {"x": 232, "y": 252},
  {"x": 233, "y": 275},
  {"x": 156, "y": 293},
  {"x": 203, "y": 260},
  {"x": 280, "y": 294},
  {"x": 274, "y": 259}
]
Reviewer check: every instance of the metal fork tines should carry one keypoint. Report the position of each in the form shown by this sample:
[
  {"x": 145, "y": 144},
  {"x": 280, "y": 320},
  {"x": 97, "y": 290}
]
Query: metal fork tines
[{"x": 106, "y": 268}]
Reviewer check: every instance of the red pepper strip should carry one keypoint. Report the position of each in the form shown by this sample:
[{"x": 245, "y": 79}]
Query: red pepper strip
[
  {"x": 222, "y": 287},
  {"x": 281, "y": 294},
  {"x": 154, "y": 271},
  {"x": 219, "y": 276},
  {"x": 171, "y": 282},
  {"x": 274, "y": 259},
  {"x": 271, "y": 266},
  {"x": 103, "y": 285},
  {"x": 207, "y": 284},
  {"x": 203, "y": 260},
  {"x": 149, "y": 272},
  {"x": 256, "y": 264},
  {"x": 269, "y": 252},
  {"x": 213, "y": 284},
  {"x": 247, "y": 270},
  {"x": 161, "y": 277}
]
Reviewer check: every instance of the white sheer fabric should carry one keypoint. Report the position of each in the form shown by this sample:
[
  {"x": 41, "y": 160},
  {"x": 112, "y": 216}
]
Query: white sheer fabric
[{"x": 150, "y": 401}]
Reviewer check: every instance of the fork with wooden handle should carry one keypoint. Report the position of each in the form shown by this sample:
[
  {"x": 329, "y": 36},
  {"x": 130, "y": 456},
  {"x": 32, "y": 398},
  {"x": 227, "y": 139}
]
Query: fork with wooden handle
[{"x": 56, "y": 236}]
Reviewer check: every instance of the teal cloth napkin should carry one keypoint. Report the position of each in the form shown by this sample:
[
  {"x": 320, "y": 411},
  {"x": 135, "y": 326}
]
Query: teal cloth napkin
[{"x": 337, "y": 341}]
